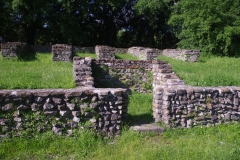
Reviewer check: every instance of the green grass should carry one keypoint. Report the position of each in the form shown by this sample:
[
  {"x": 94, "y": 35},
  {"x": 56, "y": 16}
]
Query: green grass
[
  {"x": 209, "y": 71},
  {"x": 83, "y": 55},
  {"x": 40, "y": 72},
  {"x": 140, "y": 108},
  {"x": 126, "y": 56},
  {"x": 220, "y": 142}
]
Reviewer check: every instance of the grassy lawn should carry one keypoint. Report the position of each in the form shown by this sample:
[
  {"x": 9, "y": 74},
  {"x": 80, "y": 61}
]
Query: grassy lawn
[
  {"x": 209, "y": 71},
  {"x": 220, "y": 142},
  {"x": 125, "y": 56},
  {"x": 41, "y": 72}
]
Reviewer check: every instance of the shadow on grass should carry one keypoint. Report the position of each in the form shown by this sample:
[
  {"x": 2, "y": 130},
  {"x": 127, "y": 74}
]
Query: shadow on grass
[
  {"x": 140, "y": 119},
  {"x": 31, "y": 56}
]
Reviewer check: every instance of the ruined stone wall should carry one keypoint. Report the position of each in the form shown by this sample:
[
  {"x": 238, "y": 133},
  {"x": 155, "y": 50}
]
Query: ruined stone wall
[
  {"x": 182, "y": 54},
  {"x": 82, "y": 71},
  {"x": 121, "y": 50},
  {"x": 144, "y": 53},
  {"x": 62, "y": 52},
  {"x": 179, "y": 105},
  {"x": 105, "y": 52},
  {"x": 14, "y": 49},
  {"x": 136, "y": 75},
  {"x": 31, "y": 111}
]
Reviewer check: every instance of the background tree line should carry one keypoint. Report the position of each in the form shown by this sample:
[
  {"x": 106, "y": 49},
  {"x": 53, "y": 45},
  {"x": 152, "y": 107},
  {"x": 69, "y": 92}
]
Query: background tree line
[{"x": 210, "y": 25}]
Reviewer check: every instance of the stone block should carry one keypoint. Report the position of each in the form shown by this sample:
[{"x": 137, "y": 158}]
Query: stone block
[
  {"x": 105, "y": 52},
  {"x": 62, "y": 52},
  {"x": 14, "y": 49}
]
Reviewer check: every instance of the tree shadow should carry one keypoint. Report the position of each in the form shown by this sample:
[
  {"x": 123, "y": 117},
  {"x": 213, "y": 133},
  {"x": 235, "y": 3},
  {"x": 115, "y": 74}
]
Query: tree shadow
[
  {"x": 103, "y": 79},
  {"x": 30, "y": 56}
]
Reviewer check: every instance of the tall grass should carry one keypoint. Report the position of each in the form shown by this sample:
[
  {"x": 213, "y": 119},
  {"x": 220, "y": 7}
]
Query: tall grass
[
  {"x": 209, "y": 71},
  {"x": 219, "y": 142},
  {"x": 41, "y": 72}
]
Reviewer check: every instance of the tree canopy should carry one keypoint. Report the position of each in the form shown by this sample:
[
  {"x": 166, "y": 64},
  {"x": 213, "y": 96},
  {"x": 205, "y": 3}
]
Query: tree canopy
[{"x": 212, "y": 26}]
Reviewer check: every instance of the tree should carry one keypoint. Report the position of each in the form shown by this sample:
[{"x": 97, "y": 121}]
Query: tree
[
  {"x": 7, "y": 28},
  {"x": 29, "y": 16},
  {"x": 153, "y": 17},
  {"x": 212, "y": 26}
]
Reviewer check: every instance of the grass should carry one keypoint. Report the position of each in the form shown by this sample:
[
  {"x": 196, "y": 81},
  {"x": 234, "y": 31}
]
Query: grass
[
  {"x": 126, "y": 56},
  {"x": 140, "y": 108},
  {"x": 220, "y": 142},
  {"x": 40, "y": 72},
  {"x": 209, "y": 71},
  {"x": 83, "y": 55}
]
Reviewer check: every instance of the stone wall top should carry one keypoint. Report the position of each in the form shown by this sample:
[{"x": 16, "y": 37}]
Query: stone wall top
[
  {"x": 129, "y": 64},
  {"x": 62, "y": 52},
  {"x": 105, "y": 52},
  {"x": 145, "y": 53},
  {"x": 182, "y": 54},
  {"x": 14, "y": 49}
]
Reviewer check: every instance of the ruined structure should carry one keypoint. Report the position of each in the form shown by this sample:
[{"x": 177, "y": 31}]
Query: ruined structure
[{"x": 14, "y": 49}]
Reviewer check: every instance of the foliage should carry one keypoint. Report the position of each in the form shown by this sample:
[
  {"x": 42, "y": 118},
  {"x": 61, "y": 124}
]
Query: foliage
[
  {"x": 87, "y": 23},
  {"x": 153, "y": 16},
  {"x": 209, "y": 71},
  {"x": 212, "y": 26}
]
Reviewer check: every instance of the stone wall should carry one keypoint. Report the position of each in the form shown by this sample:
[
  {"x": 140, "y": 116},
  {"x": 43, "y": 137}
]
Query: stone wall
[
  {"x": 134, "y": 75},
  {"x": 82, "y": 72},
  {"x": 105, "y": 52},
  {"x": 62, "y": 52},
  {"x": 121, "y": 50},
  {"x": 144, "y": 53},
  {"x": 182, "y": 54},
  {"x": 14, "y": 49},
  {"x": 31, "y": 111},
  {"x": 179, "y": 105}
]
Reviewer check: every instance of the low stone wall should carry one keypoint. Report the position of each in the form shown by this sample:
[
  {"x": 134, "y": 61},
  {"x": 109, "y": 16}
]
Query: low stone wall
[
  {"x": 135, "y": 75},
  {"x": 14, "y": 49},
  {"x": 144, "y": 53},
  {"x": 121, "y": 50},
  {"x": 62, "y": 52},
  {"x": 182, "y": 54},
  {"x": 179, "y": 105},
  {"x": 105, "y": 52},
  {"x": 198, "y": 106},
  {"x": 30, "y": 111},
  {"x": 82, "y": 72}
]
